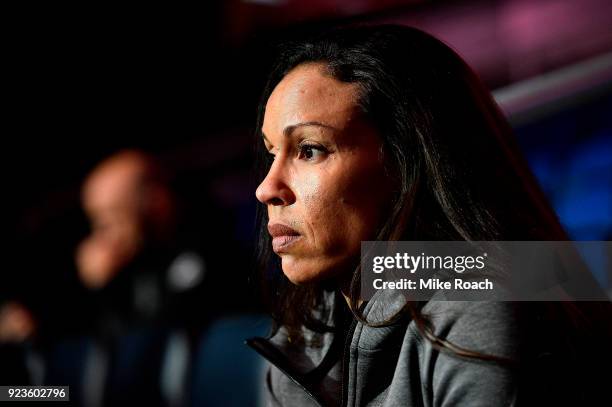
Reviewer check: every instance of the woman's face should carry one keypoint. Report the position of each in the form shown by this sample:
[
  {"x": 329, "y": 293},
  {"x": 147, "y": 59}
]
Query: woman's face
[{"x": 326, "y": 190}]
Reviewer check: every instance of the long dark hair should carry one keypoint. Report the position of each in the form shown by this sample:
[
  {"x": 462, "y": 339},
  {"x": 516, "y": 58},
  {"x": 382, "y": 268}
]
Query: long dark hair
[{"x": 458, "y": 171}]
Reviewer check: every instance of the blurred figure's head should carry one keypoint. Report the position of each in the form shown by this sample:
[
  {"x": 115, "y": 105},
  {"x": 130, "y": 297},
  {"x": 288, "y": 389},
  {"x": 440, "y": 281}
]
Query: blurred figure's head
[
  {"x": 129, "y": 206},
  {"x": 16, "y": 323}
]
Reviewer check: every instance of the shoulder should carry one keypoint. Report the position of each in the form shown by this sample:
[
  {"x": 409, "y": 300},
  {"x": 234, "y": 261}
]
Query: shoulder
[
  {"x": 480, "y": 328},
  {"x": 491, "y": 327}
]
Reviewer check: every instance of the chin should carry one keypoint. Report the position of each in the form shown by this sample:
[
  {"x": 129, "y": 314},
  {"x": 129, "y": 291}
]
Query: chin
[
  {"x": 301, "y": 272},
  {"x": 300, "y": 278}
]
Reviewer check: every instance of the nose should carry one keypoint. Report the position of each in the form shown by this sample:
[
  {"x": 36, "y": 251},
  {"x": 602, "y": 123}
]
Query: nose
[{"x": 274, "y": 189}]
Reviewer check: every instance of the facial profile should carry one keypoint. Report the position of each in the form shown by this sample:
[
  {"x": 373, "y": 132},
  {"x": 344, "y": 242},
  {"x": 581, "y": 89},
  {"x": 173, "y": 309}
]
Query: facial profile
[{"x": 326, "y": 189}]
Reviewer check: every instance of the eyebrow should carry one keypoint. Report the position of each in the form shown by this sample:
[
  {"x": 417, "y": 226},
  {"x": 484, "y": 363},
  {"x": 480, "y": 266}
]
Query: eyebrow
[{"x": 289, "y": 129}]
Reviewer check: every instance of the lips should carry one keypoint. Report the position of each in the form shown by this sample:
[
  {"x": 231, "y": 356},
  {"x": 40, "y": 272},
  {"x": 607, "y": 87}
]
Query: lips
[{"x": 283, "y": 236}]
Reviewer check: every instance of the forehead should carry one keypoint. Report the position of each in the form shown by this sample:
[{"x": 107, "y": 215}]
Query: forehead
[
  {"x": 112, "y": 183},
  {"x": 306, "y": 94}
]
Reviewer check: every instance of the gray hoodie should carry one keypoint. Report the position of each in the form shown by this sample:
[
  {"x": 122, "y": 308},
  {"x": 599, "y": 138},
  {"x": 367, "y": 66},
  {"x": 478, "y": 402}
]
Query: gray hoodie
[{"x": 395, "y": 366}]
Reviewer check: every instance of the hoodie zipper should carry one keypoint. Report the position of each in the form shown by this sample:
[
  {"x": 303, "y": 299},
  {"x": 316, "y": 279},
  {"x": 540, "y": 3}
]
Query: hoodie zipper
[{"x": 346, "y": 356}]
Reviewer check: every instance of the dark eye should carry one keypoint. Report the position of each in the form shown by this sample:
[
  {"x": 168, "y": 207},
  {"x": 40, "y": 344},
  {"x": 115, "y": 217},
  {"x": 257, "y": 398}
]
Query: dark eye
[{"x": 311, "y": 152}]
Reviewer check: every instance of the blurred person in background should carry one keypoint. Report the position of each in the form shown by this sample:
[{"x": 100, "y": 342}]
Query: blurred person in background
[
  {"x": 153, "y": 276},
  {"x": 16, "y": 323},
  {"x": 145, "y": 283},
  {"x": 17, "y": 328},
  {"x": 132, "y": 259}
]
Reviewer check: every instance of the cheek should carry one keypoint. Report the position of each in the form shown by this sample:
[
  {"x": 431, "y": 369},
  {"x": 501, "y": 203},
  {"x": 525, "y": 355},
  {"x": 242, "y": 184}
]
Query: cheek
[
  {"x": 340, "y": 209},
  {"x": 320, "y": 210},
  {"x": 317, "y": 197},
  {"x": 311, "y": 189},
  {"x": 363, "y": 197}
]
